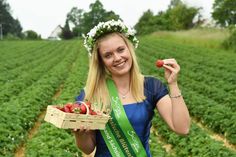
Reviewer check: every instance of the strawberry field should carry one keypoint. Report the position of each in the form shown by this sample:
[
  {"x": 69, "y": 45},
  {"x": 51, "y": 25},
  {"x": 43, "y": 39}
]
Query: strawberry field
[{"x": 34, "y": 74}]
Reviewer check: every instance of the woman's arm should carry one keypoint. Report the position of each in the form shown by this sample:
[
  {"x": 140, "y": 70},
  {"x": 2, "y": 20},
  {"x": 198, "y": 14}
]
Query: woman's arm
[
  {"x": 173, "y": 108},
  {"x": 174, "y": 111},
  {"x": 85, "y": 140}
]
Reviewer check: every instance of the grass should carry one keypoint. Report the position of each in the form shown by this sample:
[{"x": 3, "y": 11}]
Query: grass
[{"x": 203, "y": 37}]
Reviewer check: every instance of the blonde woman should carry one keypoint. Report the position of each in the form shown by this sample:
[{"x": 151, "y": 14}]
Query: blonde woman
[{"x": 116, "y": 86}]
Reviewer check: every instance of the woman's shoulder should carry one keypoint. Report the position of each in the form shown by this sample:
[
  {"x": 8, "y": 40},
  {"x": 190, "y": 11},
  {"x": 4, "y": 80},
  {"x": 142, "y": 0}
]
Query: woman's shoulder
[
  {"x": 154, "y": 89},
  {"x": 153, "y": 84},
  {"x": 149, "y": 80}
]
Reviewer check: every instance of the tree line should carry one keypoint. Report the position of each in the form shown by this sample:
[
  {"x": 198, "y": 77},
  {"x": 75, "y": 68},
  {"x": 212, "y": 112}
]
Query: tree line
[
  {"x": 8, "y": 24},
  {"x": 178, "y": 16},
  {"x": 10, "y": 27}
]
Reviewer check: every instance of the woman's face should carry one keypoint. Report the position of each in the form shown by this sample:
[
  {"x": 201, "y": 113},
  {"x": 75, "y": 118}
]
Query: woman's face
[{"x": 115, "y": 55}]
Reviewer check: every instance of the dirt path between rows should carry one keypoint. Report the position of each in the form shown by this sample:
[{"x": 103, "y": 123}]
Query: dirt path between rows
[
  {"x": 20, "y": 152},
  {"x": 216, "y": 136}
]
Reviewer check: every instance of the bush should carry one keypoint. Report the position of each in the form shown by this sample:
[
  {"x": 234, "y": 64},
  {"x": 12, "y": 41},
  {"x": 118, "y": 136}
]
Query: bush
[
  {"x": 31, "y": 35},
  {"x": 230, "y": 42},
  {"x": 10, "y": 36}
]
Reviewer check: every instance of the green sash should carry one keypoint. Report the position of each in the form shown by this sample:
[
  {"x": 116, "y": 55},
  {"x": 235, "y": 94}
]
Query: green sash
[{"x": 119, "y": 135}]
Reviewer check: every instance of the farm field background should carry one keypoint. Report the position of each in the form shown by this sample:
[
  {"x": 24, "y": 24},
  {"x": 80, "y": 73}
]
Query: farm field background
[{"x": 34, "y": 74}]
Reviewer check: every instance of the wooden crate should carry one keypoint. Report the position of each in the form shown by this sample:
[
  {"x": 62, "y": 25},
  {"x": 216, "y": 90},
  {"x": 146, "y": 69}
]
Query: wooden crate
[{"x": 74, "y": 121}]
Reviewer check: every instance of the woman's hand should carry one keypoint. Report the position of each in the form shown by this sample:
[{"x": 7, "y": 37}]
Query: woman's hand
[
  {"x": 82, "y": 129},
  {"x": 172, "y": 69},
  {"x": 85, "y": 139}
]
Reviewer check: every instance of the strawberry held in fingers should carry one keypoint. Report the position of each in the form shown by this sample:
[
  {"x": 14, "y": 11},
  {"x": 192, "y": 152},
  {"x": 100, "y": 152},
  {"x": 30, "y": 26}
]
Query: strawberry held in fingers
[{"x": 159, "y": 63}]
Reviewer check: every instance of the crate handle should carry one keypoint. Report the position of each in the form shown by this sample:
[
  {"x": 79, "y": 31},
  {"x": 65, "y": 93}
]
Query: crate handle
[{"x": 87, "y": 113}]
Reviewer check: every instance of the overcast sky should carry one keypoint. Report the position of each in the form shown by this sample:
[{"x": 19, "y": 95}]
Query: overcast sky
[{"x": 43, "y": 16}]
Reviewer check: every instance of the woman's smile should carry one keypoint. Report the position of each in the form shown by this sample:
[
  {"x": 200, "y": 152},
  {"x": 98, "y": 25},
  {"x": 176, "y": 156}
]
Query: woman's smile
[{"x": 121, "y": 64}]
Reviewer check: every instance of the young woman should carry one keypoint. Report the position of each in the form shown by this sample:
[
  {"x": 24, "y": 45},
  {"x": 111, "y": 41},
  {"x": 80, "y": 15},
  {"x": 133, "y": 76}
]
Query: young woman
[{"x": 117, "y": 86}]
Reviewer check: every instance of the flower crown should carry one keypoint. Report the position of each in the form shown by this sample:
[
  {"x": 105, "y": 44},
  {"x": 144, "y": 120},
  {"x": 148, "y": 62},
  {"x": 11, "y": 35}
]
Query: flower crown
[{"x": 108, "y": 27}]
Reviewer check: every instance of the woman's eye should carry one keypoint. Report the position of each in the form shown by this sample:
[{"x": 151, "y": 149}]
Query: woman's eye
[
  {"x": 108, "y": 56},
  {"x": 121, "y": 50}
]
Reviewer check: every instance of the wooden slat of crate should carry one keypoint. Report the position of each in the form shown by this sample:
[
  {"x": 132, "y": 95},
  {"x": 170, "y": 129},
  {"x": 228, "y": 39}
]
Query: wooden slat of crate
[{"x": 72, "y": 121}]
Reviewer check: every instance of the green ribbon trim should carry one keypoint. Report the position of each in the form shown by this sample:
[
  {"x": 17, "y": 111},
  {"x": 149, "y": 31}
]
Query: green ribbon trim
[{"x": 119, "y": 134}]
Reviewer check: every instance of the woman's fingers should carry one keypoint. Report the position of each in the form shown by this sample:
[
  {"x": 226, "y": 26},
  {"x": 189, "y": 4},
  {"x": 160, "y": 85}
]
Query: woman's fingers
[
  {"x": 171, "y": 64},
  {"x": 168, "y": 67},
  {"x": 171, "y": 70},
  {"x": 84, "y": 128}
]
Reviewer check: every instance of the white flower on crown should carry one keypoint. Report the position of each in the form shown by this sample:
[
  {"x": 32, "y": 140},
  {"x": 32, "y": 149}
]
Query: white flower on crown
[{"x": 105, "y": 27}]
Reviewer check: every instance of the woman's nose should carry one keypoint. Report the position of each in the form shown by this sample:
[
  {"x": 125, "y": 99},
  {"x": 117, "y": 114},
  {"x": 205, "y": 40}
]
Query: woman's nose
[{"x": 116, "y": 57}]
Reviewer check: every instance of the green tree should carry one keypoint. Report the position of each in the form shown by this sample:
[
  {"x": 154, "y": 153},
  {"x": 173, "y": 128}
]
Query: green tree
[
  {"x": 96, "y": 14},
  {"x": 146, "y": 23},
  {"x": 224, "y": 12},
  {"x": 177, "y": 17},
  {"x": 9, "y": 24},
  {"x": 181, "y": 17},
  {"x": 31, "y": 35},
  {"x": 75, "y": 15},
  {"x": 84, "y": 21},
  {"x": 66, "y": 32},
  {"x": 174, "y": 3}
]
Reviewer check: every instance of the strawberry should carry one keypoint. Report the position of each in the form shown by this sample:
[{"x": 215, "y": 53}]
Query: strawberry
[
  {"x": 60, "y": 108},
  {"x": 83, "y": 109},
  {"x": 159, "y": 63},
  {"x": 75, "y": 108},
  {"x": 67, "y": 108},
  {"x": 91, "y": 112}
]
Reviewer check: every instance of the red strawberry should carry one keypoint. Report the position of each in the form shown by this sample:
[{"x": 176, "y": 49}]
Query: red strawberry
[
  {"x": 91, "y": 112},
  {"x": 83, "y": 109},
  {"x": 60, "y": 108},
  {"x": 159, "y": 63},
  {"x": 75, "y": 108},
  {"x": 67, "y": 108}
]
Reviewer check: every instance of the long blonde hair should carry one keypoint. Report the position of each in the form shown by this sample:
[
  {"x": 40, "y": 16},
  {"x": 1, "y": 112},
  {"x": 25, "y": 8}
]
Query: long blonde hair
[{"x": 96, "y": 90}]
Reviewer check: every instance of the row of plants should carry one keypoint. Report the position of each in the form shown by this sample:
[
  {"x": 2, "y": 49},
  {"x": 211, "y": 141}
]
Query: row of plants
[
  {"x": 214, "y": 91},
  {"x": 14, "y": 56},
  {"x": 12, "y": 69},
  {"x": 212, "y": 64},
  {"x": 19, "y": 114},
  {"x": 196, "y": 143},
  {"x": 223, "y": 121},
  {"x": 54, "y": 140},
  {"x": 33, "y": 71}
]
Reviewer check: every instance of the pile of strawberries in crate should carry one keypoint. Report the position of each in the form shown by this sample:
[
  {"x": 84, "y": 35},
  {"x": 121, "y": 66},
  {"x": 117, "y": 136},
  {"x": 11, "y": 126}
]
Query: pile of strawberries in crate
[{"x": 77, "y": 107}]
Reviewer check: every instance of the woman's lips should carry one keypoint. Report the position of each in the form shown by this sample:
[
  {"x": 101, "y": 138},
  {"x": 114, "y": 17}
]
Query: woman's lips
[{"x": 120, "y": 64}]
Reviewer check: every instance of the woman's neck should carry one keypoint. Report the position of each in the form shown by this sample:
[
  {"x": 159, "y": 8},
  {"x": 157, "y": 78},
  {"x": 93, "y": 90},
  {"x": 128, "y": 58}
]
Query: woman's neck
[{"x": 122, "y": 82}]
